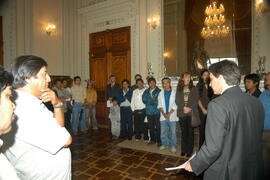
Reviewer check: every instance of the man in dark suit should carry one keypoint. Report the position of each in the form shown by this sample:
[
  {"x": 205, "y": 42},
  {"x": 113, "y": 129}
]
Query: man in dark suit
[
  {"x": 232, "y": 147},
  {"x": 112, "y": 89}
]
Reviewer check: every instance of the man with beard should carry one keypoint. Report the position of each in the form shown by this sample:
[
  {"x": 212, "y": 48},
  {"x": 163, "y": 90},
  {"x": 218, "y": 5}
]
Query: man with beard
[{"x": 6, "y": 117}]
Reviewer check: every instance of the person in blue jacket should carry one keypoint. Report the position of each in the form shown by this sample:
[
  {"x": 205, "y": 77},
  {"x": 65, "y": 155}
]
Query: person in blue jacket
[
  {"x": 265, "y": 100},
  {"x": 124, "y": 100},
  {"x": 150, "y": 99}
]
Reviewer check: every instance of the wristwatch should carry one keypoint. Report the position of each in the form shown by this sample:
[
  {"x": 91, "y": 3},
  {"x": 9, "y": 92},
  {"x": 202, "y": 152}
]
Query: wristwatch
[{"x": 60, "y": 105}]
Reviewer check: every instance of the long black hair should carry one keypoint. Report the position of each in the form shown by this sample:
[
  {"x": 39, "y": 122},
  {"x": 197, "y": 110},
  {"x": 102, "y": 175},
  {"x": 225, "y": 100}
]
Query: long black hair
[{"x": 201, "y": 85}]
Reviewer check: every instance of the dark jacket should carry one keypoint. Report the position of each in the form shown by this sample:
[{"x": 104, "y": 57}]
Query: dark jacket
[
  {"x": 256, "y": 93},
  {"x": 112, "y": 92},
  {"x": 232, "y": 147},
  {"x": 192, "y": 102},
  {"x": 205, "y": 95},
  {"x": 121, "y": 97},
  {"x": 151, "y": 102},
  {"x": 133, "y": 87}
]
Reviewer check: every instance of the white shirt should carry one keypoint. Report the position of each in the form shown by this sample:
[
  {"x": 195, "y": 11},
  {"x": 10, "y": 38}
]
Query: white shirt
[
  {"x": 228, "y": 87},
  {"x": 136, "y": 101},
  {"x": 7, "y": 172},
  {"x": 161, "y": 104},
  {"x": 151, "y": 91},
  {"x": 37, "y": 151}
]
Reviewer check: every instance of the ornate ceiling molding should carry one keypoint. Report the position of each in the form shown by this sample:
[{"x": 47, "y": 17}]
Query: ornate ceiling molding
[{"x": 85, "y": 3}]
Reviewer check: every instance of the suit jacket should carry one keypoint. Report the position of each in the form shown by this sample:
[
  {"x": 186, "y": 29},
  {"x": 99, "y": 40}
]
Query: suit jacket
[
  {"x": 232, "y": 147},
  {"x": 112, "y": 92}
]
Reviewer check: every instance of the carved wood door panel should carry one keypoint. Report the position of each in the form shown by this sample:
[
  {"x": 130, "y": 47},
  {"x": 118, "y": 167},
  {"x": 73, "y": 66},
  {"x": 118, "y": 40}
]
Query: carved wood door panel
[{"x": 109, "y": 54}]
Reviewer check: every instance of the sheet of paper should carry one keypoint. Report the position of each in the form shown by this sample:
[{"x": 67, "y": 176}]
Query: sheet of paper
[
  {"x": 109, "y": 104},
  {"x": 182, "y": 166}
]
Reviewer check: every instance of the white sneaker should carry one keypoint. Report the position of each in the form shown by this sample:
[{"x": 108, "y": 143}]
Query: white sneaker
[
  {"x": 162, "y": 147},
  {"x": 173, "y": 149}
]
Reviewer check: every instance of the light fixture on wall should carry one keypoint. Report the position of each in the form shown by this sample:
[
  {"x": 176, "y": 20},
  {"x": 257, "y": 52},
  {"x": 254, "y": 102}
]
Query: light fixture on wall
[
  {"x": 261, "y": 6},
  {"x": 166, "y": 55},
  {"x": 214, "y": 22},
  {"x": 50, "y": 29},
  {"x": 153, "y": 22}
]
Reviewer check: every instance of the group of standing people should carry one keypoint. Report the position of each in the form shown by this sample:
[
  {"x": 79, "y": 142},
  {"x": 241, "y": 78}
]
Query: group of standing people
[
  {"x": 79, "y": 104},
  {"x": 234, "y": 142},
  {"x": 155, "y": 112}
]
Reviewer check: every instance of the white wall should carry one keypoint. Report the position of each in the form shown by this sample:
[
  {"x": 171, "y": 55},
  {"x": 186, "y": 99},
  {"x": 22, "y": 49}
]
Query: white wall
[
  {"x": 48, "y": 47},
  {"x": 24, "y": 24}
]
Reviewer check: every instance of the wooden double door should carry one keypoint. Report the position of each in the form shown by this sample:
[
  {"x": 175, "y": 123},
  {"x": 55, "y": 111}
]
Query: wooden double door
[{"x": 109, "y": 54}]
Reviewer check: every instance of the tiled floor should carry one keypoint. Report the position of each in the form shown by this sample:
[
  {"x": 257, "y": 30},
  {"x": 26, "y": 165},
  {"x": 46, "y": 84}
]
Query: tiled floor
[{"x": 96, "y": 156}]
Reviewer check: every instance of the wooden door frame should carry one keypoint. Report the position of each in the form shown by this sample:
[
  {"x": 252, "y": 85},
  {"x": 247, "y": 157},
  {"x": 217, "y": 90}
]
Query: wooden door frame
[{"x": 106, "y": 51}]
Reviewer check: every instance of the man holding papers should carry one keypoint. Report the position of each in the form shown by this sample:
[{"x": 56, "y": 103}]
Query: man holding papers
[{"x": 232, "y": 147}]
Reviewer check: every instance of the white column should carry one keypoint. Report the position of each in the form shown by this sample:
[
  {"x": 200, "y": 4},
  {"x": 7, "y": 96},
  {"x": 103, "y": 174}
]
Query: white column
[
  {"x": 155, "y": 38},
  {"x": 143, "y": 48},
  {"x": 24, "y": 27},
  {"x": 9, "y": 31},
  {"x": 260, "y": 38}
]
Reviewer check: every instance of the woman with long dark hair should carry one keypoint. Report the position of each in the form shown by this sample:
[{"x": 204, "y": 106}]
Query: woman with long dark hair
[
  {"x": 187, "y": 102},
  {"x": 205, "y": 95}
]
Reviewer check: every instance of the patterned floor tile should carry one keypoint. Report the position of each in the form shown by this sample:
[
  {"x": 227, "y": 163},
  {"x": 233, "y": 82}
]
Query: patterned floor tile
[{"x": 96, "y": 156}]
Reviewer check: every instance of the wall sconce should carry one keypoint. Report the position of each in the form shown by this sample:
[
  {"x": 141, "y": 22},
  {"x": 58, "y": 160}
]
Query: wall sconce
[
  {"x": 153, "y": 22},
  {"x": 166, "y": 55},
  {"x": 261, "y": 6},
  {"x": 50, "y": 29}
]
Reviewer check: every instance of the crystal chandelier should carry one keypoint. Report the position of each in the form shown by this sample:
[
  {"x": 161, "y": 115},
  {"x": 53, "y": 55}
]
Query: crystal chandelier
[{"x": 214, "y": 22}]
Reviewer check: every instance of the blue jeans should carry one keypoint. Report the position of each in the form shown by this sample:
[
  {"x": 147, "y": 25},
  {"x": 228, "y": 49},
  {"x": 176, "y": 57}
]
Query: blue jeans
[
  {"x": 168, "y": 133},
  {"x": 77, "y": 110}
]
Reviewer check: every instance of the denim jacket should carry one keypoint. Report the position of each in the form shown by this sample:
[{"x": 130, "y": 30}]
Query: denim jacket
[{"x": 151, "y": 102}]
